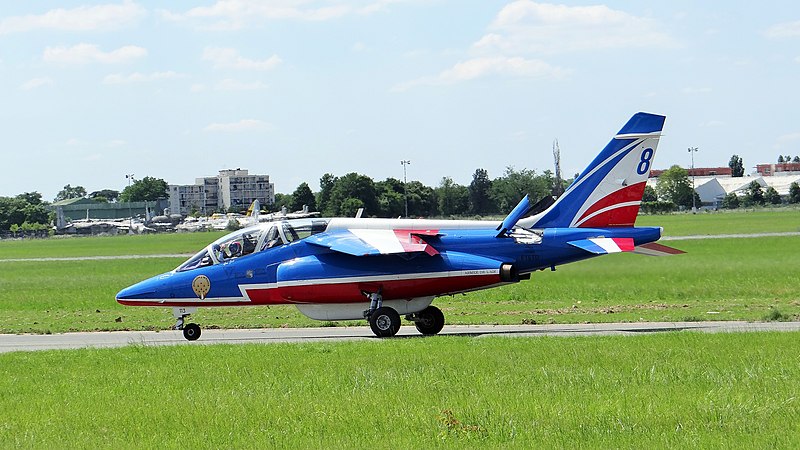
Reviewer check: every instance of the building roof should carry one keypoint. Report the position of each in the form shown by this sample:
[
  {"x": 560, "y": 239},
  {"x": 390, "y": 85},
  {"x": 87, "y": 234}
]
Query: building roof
[
  {"x": 781, "y": 183},
  {"x": 75, "y": 201}
]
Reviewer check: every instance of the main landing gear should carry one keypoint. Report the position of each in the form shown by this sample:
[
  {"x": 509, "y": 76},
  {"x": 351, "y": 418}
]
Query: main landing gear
[
  {"x": 385, "y": 321},
  {"x": 191, "y": 331}
]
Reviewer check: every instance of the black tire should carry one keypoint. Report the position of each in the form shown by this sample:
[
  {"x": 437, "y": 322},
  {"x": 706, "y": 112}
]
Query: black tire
[
  {"x": 430, "y": 321},
  {"x": 191, "y": 332},
  {"x": 385, "y": 322}
]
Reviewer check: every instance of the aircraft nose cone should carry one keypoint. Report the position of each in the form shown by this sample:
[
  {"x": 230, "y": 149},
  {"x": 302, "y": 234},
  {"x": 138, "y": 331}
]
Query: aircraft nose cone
[{"x": 144, "y": 290}]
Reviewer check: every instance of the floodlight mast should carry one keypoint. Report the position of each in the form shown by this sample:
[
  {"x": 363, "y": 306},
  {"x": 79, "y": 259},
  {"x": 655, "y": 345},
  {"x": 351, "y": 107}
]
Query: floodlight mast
[
  {"x": 692, "y": 151},
  {"x": 130, "y": 211},
  {"x": 405, "y": 162}
]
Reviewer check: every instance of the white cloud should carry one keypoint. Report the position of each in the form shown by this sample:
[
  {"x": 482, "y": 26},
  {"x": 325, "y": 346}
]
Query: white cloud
[
  {"x": 359, "y": 47},
  {"x": 525, "y": 27},
  {"x": 240, "y": 126},
  {"x": 783, "y": 30},
  {"x": 237, "y": 14},
  {"x": 229, "y": 58},
  {"x": 38, "y": 82},
  {"x": 89, "y": 53},
  {"x": 83, "y": 18},
  {"x": 137, "y": 77},
  {"x": 229, "y": 84},
  {"x": 481, "y": 67}
]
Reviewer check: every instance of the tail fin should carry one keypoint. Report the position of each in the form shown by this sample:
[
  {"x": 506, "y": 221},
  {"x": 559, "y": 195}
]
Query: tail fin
[{"x": 608, "y": 192}]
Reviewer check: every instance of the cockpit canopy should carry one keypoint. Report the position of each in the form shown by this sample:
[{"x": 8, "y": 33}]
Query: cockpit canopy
[{"x": 254, "y": 239}]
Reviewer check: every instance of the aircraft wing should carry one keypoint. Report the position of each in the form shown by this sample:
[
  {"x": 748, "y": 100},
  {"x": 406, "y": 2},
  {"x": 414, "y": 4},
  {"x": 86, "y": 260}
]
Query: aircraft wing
[
  {"x": 364, "y": 242},
  {"x": 602, "y": 246}
]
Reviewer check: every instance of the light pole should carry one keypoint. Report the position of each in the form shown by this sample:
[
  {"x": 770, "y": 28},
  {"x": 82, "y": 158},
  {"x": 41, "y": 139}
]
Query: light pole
[
  {"x": 405, "y": 162},
  {"x": 130, "y": 213},
  {"x": 692, "y": 151}
]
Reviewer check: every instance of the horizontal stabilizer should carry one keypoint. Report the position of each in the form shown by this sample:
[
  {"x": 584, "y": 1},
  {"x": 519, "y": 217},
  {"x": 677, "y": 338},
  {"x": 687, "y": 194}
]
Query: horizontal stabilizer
[
  {"x": 602, "y": 246},
  {"x": 365, "y": 242},
  {"x": 656, "y": 249}
]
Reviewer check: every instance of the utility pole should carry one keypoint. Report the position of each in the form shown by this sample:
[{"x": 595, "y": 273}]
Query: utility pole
[
  {"x": 692, "y": 151},
  {"x": 405, "y": 162},
  {"x": 130, "y": 213}
]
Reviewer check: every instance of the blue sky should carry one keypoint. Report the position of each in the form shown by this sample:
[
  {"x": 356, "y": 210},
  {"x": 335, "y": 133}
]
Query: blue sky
[{"x": 92, "y": 91}]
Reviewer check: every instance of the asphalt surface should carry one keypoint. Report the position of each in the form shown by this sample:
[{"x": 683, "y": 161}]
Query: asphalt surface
[{"x": 28, "y": 342}]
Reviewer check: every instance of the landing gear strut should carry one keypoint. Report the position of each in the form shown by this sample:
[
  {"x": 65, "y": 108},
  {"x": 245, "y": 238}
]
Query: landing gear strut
[
  {"x": 384, "y": 321},
  {"x": 190, "y": 331}
]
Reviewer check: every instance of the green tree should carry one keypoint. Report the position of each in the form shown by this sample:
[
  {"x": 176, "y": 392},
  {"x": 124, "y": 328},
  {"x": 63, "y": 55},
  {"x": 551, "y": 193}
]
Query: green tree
[
  {"x": 754, "y": 195},
  {"x": 772, "y": 197},
  {"x": 649, "y": 194},
  {"x": 780, "y": 159},
  {"x": 357, "y": 186},
  {"x": 508, "y": 190},
  {"x": 18, "y": 211},
  {"x": 794, "y": 193},
  {"x": 674, "y": 186},
  {"x": 479, "y": 193},
  {"x": 70, "y": 192},
  {"x": 33, "y": 198},
  {"x": 796, "y": 159},
  {"x": 391, "y": 197},
  {"x": 731, "y": 201},
  {"x": 282, "y": 200},
  {"x": 107, "y": 195},
  {"x": 736, "y": 165},
  {"x": 302, "y": 196},
  {"x": 422, "y": 200},
  {"x": 326, "y": 184},
  {"x": 453, "y": 198},
  {"x": 146, "y": 189},
  {"x": 350, "y": 206}
]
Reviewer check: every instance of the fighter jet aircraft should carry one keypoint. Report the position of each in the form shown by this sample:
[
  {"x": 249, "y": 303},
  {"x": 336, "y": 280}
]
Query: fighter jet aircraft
[{"x": 380, "y": 269}]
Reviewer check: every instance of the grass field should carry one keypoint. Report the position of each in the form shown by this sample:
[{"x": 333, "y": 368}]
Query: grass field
[
  {"x": 664, "y": 390},
  {"x": 718, "y": 279},
  {"x": 725, "y": 222}
]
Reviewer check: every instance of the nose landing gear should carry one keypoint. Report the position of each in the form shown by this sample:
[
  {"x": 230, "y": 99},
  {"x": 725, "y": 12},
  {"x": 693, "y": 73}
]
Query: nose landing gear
[{"x": 190, "y": 331}]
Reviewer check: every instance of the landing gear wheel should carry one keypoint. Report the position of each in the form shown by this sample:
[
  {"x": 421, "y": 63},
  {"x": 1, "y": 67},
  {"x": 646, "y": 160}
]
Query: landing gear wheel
[
  {"x": 191, "y": 332},
  {"x": 385, "y": 322},
  {"x": 429, "y": 321}
]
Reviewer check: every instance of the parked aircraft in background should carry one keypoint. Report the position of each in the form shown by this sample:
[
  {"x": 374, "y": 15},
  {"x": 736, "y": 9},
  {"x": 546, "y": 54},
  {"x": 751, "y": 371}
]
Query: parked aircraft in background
[{"x": 380, "y": 269}]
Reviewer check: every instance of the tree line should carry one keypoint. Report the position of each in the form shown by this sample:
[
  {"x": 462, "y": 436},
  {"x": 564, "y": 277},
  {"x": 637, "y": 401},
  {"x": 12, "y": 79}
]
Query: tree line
[{"x": 343, "y": 196}]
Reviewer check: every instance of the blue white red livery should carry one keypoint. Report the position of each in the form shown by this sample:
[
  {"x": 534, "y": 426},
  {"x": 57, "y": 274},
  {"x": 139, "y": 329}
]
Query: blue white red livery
[{"x": 380, "y": 269}]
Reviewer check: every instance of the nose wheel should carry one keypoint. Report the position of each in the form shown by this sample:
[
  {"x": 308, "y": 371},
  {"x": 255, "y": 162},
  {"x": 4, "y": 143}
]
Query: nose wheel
[{"x": 191, "y": 331}]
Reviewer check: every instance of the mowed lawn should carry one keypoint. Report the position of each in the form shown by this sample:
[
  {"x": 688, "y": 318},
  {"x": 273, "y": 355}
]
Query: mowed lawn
[
  {"x": 680, "y": 389},
  {"x": 718, "y": 279}
]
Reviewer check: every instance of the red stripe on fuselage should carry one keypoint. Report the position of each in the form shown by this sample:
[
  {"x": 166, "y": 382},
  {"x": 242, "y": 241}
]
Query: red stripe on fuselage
[{"x": 352, "y": 291}]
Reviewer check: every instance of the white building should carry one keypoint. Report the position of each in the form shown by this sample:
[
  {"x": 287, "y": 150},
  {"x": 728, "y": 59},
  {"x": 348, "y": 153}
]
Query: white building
[
  {"x": 231, "y": 188},
  {"x": 713, "y": 189}
]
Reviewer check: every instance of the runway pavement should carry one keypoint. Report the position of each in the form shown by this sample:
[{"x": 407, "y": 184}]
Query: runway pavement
[{"x": 28, "y": 342}]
